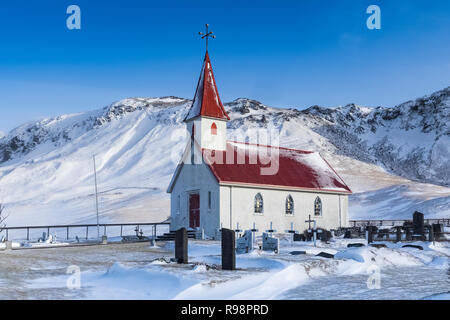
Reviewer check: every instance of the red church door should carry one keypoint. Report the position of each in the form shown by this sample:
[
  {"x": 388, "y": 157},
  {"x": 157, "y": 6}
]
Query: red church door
[{"x": 194, "y": 210}]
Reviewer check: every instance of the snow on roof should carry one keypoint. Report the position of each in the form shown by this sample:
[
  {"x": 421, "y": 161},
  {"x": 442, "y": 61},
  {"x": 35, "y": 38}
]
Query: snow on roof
[
  {"x": 252, "y": 164},
  {"x": 207, "y": 101}
]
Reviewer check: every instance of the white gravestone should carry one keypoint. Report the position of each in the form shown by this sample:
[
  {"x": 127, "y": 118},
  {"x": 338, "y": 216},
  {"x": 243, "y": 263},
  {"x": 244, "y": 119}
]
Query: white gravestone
[
  {"x": 244, "y": 244},
  {"x": 270, "y": 244}
]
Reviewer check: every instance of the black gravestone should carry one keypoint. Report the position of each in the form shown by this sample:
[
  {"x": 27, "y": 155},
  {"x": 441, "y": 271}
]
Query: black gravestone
[
  {"x": 408, "y": 235},
  {"x": 348, "y": 234},
  {"x": 418, "y": 223},
  {"x": 299, "y": 237},
  {"x": 438, "y": 229},
  {"x": 325, "y": 255},
  {"x": 378, "y": 245},
  {"x": 431, "y": 234},
  {"x": 355, "y": 245},
  {"x": 398, "y": 234},
  {"x": 412, "y": 246},
  {"x": 228, "y": 250},
  {"x": 181, "y": 246},
  {"x": 371, "y": 230}
]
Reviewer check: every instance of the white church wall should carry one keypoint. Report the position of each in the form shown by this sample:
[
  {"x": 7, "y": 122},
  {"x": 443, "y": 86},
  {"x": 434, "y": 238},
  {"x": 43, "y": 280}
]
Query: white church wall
[
  {"x": 195, "y": 179},
  {"x": 203, "y": 133},
  {"x": 242, "y": 203}
]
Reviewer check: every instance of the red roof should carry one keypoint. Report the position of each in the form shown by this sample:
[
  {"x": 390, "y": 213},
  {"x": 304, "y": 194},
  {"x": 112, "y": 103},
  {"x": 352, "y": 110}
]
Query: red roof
[
  {"x": 207, "y": 101},
  {"x": 250, "y": 164}
]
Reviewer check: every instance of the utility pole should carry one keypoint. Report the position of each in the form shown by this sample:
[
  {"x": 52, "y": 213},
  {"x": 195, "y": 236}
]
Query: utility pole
[{"x": 96, "y": 199}]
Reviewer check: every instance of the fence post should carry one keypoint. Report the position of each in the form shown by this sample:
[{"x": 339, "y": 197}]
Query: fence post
[
  {"x": 67, "y": 234},
  {"x": 121, "y": 230},
  {"x": 28, "y": 234},
  {"x": 87, "y": 232},
  {"x": 104, "y": 231}
]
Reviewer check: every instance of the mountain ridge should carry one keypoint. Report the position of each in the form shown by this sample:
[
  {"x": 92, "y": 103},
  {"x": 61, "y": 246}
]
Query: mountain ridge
[{"x": 364, "y": 133}]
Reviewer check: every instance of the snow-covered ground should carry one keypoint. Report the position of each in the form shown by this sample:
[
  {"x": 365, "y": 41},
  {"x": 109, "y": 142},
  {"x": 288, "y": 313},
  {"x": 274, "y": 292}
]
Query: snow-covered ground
[{"x": 138, "y": 271}]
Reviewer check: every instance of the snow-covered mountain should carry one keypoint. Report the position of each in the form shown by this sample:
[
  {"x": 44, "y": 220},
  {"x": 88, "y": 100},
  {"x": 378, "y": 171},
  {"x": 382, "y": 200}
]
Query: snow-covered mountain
[{"x": 46, "y": 170}]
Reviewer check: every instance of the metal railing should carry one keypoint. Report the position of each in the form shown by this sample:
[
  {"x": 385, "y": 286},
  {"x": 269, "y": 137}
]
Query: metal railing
[
  {"x": 394, "y": 222},
  {"x": 81, "y": 231}
]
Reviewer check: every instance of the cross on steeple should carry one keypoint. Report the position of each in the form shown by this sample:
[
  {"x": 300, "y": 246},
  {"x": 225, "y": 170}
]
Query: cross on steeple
[{"x": 207, "y": 35}]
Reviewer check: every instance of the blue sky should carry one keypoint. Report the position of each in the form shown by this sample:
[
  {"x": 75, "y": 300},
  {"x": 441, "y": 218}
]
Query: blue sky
[{"x": 283, "y": 53}]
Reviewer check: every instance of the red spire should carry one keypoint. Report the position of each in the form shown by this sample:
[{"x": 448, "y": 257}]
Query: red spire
[{"x": 207, "y": 101}]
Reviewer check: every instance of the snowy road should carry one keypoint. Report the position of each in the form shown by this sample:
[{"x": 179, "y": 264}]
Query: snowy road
[{"x": 133, "y": 271}]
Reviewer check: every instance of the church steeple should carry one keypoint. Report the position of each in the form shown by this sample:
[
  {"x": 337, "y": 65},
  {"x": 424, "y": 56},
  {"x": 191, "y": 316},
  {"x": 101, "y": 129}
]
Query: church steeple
[
  {"x": 207, "y": 119},
  {"x": 206, "y": 100}
]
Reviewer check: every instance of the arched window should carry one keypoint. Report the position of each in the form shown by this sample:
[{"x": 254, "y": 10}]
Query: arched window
[
  {"x": 214, "y": 129},
  {"x": 289, "y": 205},
  {"x": 318, "y": 207},
  {"x": 259, "y": 203}
]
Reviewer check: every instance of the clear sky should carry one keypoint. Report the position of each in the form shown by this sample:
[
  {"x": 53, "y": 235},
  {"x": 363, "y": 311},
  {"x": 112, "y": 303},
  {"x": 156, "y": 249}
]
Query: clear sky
[{"x": 283, "y": 53}]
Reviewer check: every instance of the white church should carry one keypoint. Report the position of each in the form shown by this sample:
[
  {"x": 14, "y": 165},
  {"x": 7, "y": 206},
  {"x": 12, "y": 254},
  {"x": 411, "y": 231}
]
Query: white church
[{"x": 239, "y": 185}]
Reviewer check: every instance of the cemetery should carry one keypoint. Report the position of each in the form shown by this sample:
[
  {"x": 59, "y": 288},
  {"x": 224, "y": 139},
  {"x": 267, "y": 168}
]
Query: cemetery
[{"x": 258, "y": 263}]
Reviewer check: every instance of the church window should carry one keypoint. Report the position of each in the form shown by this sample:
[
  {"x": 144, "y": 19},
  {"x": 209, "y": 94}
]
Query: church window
[
  {"x": 289, "y": 205},
  {"x": 318, "y": 207},
  {"x": 214, "y": 129},
  {"x": 259, "y": 203}
]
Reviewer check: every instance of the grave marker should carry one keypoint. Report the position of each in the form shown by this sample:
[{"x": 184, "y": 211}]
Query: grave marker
[
  {"x": 314, "y": 231},
  {"x": 254, "y": 230},
  {"x": 228, "y": 249},
  {"x": 181, "y": 246},
  {"x": 244, "y": 244},
  {"x": 292, "y": 232},
  {"x": 418, "y": 223},
  {"x": 398, "y": 234},
  {"x": 270, "y": 244}
]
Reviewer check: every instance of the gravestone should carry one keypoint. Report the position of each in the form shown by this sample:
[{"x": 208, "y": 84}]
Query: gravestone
[
  {"x": 438, "y": 229},
  {"x": 412, "y": 246},
  {"x": 228, "y": 250},
  {"x": 371, "y": 230},
  {"x": 418, "y": 223},
  {"x": 8, "y": 245},
  {"x": 408, "y": 232},
  {"x": 324, "y": 235},
  {"x": 104, "y": 240},
  {"x": 378, "y": 245},
  {"x": 270, "y": 244},
  {"x": 181, "y": 246},
  {"x": 296, "y": 253},
  {"x": 299, "y": 237},
  {"x": 355, "y": 245},
  {"x": 325, "y": 255},
  {"x": 348, "y": 234},
  {"x": 244, "y": 244},
  {"x": 430, "y": 234},
  {"x": 398, "y": 234}
]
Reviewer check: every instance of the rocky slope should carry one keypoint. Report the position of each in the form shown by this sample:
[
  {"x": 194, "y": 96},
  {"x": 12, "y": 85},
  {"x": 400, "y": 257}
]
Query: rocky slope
[{"x": 137, "y": 143}]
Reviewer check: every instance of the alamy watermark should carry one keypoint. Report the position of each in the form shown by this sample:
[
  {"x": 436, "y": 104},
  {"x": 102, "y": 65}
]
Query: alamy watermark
[
  {"x": 374, "y": 20},
  {"x": 74, "y": 280},
  {"x": 73, "y": 22},
  {"x": 253, "y": 147},
  {"x": 374, "y": 280}
]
